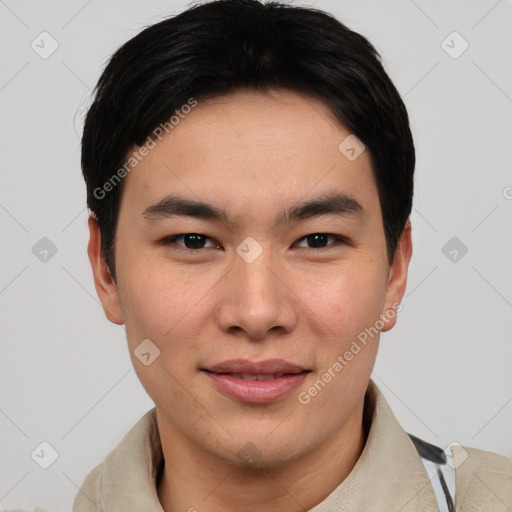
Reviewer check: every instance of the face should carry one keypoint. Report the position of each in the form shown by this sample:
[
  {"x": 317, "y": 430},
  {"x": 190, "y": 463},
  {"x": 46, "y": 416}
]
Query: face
[{"x": 253, "y": 300}]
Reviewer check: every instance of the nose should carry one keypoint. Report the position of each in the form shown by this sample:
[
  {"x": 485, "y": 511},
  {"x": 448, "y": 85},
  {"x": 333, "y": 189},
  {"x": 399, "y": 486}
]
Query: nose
[{"x": 257, "y": 299}]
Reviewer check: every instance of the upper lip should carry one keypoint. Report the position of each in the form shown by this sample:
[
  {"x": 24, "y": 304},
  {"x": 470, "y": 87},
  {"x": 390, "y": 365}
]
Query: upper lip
[{"x": 268, "y": 366}]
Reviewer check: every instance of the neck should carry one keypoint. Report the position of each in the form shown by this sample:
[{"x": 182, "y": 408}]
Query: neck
[{"x": 195, "y": 481}]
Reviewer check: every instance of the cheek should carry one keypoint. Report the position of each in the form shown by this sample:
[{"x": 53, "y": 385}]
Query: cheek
[
  {"x": 345, "y": 299},
  {"x": 159, "y": 308},
  {"x": 344, "y": 309},
  {"x": 162, "y": 302}
]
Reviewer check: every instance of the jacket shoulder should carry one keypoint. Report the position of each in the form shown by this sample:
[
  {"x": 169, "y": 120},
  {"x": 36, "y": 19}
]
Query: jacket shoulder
[
  {"x": 86, "y": 498},
  {"x": 483, "y": 479}
]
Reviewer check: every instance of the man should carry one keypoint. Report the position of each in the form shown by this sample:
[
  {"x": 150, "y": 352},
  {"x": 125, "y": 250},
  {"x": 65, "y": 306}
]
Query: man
[{"x": 249, "y": 170}]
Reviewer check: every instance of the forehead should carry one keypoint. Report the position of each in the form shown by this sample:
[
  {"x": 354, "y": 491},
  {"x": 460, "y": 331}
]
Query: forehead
[{"x": 261, "y": 149}]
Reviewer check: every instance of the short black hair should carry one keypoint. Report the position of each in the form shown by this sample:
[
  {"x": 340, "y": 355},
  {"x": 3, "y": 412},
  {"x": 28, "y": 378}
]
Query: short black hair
[{"x": 222, "y": 46}]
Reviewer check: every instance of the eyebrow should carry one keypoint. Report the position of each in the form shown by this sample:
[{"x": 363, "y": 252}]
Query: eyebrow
[{"x": 333, "y": 203}]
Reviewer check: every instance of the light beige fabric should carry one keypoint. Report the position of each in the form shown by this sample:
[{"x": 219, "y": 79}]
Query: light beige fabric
[
  {"x": 388, "y": 477},
  {"x": 484, "y": 481}
]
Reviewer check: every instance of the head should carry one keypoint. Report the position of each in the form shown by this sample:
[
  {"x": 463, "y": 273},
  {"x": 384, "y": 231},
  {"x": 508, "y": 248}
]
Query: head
[{"x": 283, "y": 124}]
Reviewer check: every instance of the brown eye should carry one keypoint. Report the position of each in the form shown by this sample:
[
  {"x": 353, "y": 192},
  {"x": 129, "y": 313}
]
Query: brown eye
[
  {"x": 319, "y": 240},
  {"x": 191, "y": 241}
]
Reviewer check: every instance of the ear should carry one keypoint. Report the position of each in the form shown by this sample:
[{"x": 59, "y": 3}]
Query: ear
[
  {"x": 397, "y": 280},
  {"x": 106, "y": 288}
]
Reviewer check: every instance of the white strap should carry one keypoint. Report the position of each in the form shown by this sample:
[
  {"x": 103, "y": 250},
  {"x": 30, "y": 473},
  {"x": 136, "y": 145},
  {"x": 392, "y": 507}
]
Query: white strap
[{"x": 440, "y": 468}]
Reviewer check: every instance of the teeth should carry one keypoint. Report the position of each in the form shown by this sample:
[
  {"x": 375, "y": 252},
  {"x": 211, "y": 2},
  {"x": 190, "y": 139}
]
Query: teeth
[
  {"x": 263, "y": 376},
  {"x": 252, "y": 376}
]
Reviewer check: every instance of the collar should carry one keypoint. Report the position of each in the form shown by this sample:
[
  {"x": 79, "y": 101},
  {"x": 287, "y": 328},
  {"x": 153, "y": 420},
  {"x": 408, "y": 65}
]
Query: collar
[{"x": 389, "y": 474}]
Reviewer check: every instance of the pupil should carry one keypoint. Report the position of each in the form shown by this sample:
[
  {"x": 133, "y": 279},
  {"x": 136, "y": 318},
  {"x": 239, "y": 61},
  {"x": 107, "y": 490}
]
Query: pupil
[
  {"x": 317, "y": 239},
  {"x": 194, "y": 241}
]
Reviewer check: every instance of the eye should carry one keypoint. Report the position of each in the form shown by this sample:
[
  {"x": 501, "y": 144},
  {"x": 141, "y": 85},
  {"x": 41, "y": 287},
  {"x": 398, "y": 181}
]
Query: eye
[
  {"x": 318, "y": 240},
  {"x": 190, "y": 240},
  {"x": 195, "y": 241}
]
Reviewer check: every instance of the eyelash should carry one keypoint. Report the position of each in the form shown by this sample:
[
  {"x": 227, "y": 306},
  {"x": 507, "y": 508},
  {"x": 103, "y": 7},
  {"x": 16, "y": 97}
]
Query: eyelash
[{"x": 338, "y": 240}]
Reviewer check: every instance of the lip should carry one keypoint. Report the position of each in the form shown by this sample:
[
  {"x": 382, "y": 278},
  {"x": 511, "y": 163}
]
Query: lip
[
  {"x": 256, "y": 391},
  {"x": 261, "y": 367}
]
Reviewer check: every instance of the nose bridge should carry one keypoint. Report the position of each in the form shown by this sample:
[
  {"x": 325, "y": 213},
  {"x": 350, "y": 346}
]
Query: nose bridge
[
  {"x": 256, "y": 280},
  {"x": 255, "y": 298}
]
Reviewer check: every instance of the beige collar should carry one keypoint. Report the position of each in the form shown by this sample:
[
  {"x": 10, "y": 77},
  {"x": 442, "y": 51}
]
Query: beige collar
[{"x": 389, "y": 474}]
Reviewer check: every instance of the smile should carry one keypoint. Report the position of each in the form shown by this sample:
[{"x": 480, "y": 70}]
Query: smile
[{"x": 257, "y": 383}]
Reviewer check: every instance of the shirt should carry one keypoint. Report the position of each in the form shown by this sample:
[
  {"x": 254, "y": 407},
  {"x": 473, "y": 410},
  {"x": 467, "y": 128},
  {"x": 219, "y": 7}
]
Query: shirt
[{"x": 396, "y": 472}]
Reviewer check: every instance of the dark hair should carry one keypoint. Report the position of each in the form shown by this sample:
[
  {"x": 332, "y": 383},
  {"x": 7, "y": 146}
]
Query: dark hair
[{"x": 222, "y": 46}]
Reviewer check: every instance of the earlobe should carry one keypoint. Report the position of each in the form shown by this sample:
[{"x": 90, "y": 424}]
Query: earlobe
[
  {"x": 106, "y": 288},
  {"x": 397, "y": 280}
]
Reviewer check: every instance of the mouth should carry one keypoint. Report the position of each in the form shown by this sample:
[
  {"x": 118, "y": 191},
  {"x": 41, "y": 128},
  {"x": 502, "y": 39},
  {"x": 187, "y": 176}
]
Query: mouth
[
  {"x": 256, "y": 382},
  {"x": 257, "y": 376}
]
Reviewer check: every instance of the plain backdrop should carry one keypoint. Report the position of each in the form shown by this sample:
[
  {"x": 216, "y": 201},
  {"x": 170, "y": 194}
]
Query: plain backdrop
[{"x": 66, "y": 376}]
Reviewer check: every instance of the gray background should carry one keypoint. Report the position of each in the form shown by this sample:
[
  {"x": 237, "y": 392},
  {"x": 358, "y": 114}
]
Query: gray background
[{"x": 66, "y": 376}]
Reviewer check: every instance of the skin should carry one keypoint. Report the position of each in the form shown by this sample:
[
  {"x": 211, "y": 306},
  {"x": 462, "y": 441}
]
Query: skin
[{"x": 252, "y": 154}]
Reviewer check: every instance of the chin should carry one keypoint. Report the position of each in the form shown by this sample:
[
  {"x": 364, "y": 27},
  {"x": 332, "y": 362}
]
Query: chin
[{"x": 260, "y": 453}]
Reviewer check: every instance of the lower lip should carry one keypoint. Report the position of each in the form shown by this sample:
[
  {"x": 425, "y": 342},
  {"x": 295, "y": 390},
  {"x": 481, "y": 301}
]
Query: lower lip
[{"x": 256, "y": 391}]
